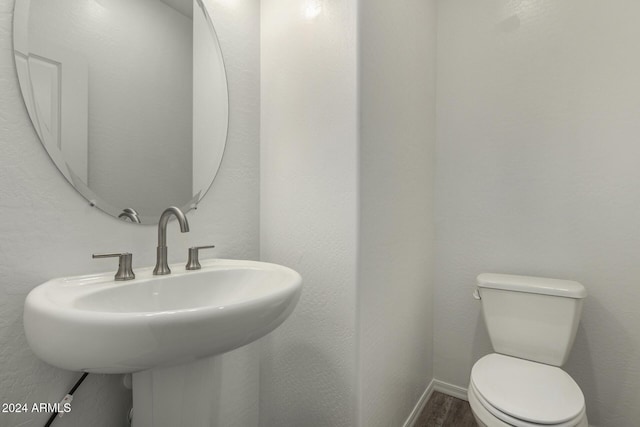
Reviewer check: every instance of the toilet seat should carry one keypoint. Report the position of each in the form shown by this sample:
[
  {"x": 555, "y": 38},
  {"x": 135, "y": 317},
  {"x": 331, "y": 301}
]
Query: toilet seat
[
  {"x": 508, "y": 420},
  {"x": 523, "y": 393}
]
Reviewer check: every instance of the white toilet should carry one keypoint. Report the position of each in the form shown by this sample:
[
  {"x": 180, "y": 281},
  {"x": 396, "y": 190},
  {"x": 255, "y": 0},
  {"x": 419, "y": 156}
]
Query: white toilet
[{"x": 532, "y": 323}]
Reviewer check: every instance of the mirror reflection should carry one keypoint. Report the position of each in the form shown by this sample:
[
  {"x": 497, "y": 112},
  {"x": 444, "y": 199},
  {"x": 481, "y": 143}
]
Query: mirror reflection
[{"x": 129, "y": 98}]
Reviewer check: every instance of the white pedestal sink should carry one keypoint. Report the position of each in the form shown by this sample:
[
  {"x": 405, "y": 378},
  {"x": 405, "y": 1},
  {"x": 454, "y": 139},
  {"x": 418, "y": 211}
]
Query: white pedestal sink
[{"x": 163, "y": 329}]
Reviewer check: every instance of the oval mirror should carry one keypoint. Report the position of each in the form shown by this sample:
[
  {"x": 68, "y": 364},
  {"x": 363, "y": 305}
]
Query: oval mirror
[{"x": 128, "y": 97}]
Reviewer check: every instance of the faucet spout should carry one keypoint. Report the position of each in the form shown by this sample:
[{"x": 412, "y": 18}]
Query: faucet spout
[{"x": 162, "y": 267}]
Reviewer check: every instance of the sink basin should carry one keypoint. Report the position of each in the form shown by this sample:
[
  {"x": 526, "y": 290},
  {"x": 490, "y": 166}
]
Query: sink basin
[{"x": 95, "y": 324}]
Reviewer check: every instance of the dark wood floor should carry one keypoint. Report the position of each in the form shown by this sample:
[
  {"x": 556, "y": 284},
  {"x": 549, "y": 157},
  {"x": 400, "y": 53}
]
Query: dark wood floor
[{"x": 446, "y": 411}]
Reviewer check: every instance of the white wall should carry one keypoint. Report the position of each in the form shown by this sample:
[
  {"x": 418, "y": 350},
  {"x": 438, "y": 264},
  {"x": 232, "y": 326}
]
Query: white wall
[
  {"x": 537, "y": 173},
  {"x": 308, "y": 209},
  {"x": 48, "y": 230},
  {"x": 346, "y": 189},
  {"x": 397, "y": 140}
]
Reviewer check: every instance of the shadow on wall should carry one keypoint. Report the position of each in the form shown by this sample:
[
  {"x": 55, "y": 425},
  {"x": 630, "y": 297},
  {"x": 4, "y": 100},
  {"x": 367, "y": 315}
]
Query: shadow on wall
[
  {"x": 481, "y": 341},
  {"x": 313, "y": 391},
  {"x": 581, "y": 369},
  {"x": 581, "y": 362}
]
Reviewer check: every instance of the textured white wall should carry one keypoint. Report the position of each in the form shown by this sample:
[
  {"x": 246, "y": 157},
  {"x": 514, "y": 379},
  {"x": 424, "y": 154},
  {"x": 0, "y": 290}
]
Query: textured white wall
[
  {"x": 308, "y": 209},
  {"x": 537, "y": 173},
  {"x": 48, "y": 230},
  {"x": 397, "y": 142}
]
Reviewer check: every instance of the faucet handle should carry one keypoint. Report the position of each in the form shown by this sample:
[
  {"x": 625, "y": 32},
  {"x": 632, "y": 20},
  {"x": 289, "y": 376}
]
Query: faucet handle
[
  {"x": 193, "y": 263},
  {"x": 125, "y": 271}
]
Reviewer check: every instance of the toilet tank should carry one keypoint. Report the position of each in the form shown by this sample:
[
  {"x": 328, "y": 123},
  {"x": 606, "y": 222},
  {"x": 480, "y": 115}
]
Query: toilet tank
[{"x": 532, "y": 318}]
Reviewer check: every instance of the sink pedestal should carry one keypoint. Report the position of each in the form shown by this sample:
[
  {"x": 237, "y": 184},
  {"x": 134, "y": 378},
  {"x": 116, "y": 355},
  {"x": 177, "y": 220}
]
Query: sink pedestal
[{"x": 183, "y": 395}]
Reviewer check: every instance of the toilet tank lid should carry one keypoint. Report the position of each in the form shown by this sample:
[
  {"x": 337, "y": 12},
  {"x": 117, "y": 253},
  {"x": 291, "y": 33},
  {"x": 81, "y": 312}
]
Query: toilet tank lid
[{"x": 534, "y": 285}]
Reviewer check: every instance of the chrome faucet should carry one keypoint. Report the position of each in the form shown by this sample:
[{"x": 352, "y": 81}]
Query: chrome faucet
[{"x": 161, "y": 263}]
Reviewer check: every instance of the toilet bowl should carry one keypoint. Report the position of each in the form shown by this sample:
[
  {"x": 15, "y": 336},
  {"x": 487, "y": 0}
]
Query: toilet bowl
[
  {"x": 532, "y": 323},
  {"x": 510, "y": 392}
]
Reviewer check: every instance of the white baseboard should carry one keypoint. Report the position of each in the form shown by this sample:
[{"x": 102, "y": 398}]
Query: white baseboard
[
  {"x": 450, "y": 389},
  {"x": 413, "y": 416}
]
